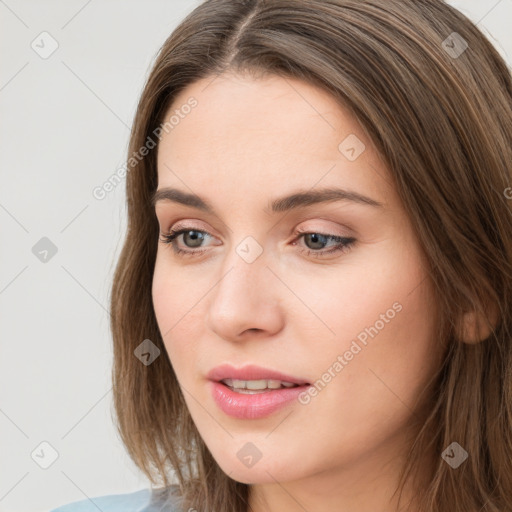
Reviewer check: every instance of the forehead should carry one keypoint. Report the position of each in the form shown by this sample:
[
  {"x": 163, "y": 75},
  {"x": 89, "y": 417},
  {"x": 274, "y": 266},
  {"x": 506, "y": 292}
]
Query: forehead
[
  {"x": 233, "y": 110},
  {"x": 258, "y": 134}
]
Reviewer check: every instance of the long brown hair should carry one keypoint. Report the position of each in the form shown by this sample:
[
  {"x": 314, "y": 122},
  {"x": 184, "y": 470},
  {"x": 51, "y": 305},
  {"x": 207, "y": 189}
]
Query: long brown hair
[{"x": 435, "y": 97}]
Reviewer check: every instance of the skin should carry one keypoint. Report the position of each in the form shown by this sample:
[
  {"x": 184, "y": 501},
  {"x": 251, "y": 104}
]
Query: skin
[{"x": 247, "y": 142}]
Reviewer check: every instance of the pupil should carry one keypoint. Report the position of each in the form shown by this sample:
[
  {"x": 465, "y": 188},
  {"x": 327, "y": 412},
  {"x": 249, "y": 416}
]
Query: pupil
[
  {"x": 315, "y": 237},
  {"x": 197, "y": 238}
]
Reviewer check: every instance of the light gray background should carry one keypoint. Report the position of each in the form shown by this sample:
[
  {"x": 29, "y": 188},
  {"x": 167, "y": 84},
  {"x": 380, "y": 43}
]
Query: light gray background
[{"x": 64, "y": 130}]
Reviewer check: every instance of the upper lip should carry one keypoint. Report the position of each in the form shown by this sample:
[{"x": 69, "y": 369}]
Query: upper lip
[{"x": 251, "y": 372}]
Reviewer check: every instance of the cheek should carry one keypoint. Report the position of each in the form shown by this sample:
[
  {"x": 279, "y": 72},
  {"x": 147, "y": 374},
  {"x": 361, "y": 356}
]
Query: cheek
[
  {"x": 382, "y": 285},
  {"x": 174, "y": 292},
  {"x": 377, "y": 315},
  {"x": 370, "y": 394},
  {"x": 172, "y": 299},
  {"x": 164, "y": 301},
  {"x": 179, "y": 300}
]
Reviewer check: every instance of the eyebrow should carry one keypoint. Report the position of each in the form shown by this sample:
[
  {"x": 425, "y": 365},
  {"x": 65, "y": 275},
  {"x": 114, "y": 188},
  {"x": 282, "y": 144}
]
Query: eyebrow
[{"x": 299, "y": 199}]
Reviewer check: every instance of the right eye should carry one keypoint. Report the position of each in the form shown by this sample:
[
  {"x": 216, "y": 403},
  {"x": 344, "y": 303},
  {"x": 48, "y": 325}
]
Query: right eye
[{"x": 192, "y": 235}]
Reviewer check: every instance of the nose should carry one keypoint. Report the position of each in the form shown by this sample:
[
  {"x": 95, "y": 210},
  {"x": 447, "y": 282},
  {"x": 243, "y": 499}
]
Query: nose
[{"x": 246, "y": 302}]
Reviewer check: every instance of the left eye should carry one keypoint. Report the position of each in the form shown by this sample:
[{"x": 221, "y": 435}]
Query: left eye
[
  {"x": 342, "y": 243},
  {"x": 193, "y": 238}
]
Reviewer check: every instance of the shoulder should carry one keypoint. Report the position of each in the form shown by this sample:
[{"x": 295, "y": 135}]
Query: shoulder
[{"x": 145, "y": 500}]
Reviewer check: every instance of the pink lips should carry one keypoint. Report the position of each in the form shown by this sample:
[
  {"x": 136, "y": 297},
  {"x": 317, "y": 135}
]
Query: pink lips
[
  {"x": 251, "y": 372},
  {"x": 252, "y": 406}
]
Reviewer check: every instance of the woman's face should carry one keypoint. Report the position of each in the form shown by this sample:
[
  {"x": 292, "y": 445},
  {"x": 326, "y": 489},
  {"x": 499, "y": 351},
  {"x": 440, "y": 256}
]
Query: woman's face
[{"x": 252, "y": 290}]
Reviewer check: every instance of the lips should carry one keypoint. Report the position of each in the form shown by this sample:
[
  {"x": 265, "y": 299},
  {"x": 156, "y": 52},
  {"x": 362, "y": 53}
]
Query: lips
[
  {"x": 253, "y": 406},
  {"x": 258, "y": 404},
  {"x": 252, "y": 372}
]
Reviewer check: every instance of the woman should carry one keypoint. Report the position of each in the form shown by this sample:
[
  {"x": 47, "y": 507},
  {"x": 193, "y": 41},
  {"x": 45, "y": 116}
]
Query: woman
[{"x": 312, "y": 308}]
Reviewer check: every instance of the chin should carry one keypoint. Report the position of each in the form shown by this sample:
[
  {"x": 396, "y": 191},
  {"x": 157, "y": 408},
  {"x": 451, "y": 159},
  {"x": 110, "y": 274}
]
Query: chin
[
  {"x": 262, "y": 472},
  {"x": 253, "y": 476}
]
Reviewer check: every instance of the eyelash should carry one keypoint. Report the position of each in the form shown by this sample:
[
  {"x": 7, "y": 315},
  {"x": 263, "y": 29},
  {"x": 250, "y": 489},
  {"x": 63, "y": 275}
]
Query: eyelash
[{"x": 344, "y": 243}]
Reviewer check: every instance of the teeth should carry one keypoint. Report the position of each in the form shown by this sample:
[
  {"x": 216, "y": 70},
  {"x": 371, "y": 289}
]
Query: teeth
[{"x": 257, "y": 384}]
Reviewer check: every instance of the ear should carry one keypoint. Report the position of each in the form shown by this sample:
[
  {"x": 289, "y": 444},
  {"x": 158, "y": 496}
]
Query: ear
[{"x": 478, "y": 325}]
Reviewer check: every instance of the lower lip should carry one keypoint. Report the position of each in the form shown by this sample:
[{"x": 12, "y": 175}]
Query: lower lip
[{"x": 252, "y": 406}]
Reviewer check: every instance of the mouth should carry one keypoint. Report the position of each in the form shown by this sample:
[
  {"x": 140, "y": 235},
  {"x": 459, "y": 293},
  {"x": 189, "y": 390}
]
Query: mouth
[
  {"x": 253, "y": 392},
  {"x": 253, "y": 387},
  {"x": 254, "y": 378}
]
